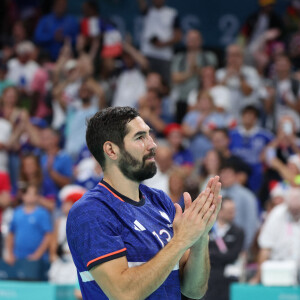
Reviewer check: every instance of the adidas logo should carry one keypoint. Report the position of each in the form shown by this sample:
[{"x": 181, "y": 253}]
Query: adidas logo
[
  {"x": 138, "y": 226},
  {"x": 164, "y": 215}
]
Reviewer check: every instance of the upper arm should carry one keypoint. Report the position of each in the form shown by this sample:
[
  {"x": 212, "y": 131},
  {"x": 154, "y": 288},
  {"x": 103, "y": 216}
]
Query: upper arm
[{"x": 108, "y": 276}]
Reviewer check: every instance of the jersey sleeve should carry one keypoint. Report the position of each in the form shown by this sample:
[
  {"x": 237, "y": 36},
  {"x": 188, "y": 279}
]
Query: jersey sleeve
[{"x": 94, "y": 236}]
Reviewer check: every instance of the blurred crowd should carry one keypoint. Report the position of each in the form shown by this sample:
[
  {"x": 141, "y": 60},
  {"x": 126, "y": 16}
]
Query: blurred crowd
[{"x": 234, "y": 114}]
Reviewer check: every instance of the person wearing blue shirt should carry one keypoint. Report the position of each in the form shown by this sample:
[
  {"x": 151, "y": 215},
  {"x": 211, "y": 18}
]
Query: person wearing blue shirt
[
  {"x": 129, "y": 241},
  {"x": 248, "y": 142},
  {"x": 54, "y": 28},
  {"x": 57, "y": 165},
  {"x": 30, "y": 230}
]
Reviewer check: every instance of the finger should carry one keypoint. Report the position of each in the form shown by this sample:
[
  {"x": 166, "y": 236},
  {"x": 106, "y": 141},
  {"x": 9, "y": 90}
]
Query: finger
[
  {"x": 178, "y": 212},
  {"x": 200, "y": 200},
  {"x": 217, "y": 192},
  {"x": 214, "y": 183},
  {"x": 187, "y": 200},
  {"x": 208, "y": 215},
  {"x": 206, "y": 205},
  {"x": 210, "y": 181}
]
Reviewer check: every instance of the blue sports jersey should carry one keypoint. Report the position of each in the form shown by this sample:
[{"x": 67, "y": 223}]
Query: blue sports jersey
[
  {"x": 105, "y": 225},
  {"x": 249, "y": 146}
]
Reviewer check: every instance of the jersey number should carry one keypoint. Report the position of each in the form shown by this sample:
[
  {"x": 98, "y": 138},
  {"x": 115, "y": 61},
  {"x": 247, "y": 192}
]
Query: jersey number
[{"x": 161, "y": 233}]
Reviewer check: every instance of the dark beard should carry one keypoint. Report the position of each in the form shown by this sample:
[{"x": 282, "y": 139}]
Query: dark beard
[{"x": 136, "y": 170}]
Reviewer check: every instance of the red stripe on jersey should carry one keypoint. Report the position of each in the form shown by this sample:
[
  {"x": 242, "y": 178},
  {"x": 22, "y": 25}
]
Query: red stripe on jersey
[
  {"x": 111, "y": 191},
  {"x": 106, "y": 255}
]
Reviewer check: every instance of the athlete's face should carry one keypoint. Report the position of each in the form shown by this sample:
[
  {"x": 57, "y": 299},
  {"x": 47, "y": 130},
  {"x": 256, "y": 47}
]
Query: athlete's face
[{"x": 137, "y": 157}]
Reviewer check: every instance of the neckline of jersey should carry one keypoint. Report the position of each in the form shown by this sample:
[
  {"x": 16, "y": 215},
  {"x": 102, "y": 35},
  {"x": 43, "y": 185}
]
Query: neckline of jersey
[{"x": 123, "y": 197}]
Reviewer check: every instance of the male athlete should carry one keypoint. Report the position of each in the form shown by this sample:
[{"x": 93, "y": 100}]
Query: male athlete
[{"x": 129, "y": 241}]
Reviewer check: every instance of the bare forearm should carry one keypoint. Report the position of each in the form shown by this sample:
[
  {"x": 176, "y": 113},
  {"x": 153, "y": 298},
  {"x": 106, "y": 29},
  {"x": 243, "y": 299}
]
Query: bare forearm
[
  {"x": 9, "y": 243},
  {"x": 196, "y": 270},
  {"x": 141, "y": 281}
]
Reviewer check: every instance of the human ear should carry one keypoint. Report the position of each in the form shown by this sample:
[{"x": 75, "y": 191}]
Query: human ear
[{"x": 111, "y": 150}]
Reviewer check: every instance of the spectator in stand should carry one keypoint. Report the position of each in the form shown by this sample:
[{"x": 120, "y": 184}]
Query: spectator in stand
[
  {"x": 161, "y": 32},
  {"x": 130, "y": 85},
  {"x": 219, "y": 93},
  {"x": 209, "y": 167},
  {"x": 243, "y": 81},
  {"x": 31, "y": 174},
  {"x": 91, "y": 99},
  {"x": 248, "y": 142},
  {"x": 164, "y": 162},
  {"x": 289, "y": 172},
  {"x": 245, "y": 202},
  {"x": 56, "y": 164},
  {"x": 21, "y": 71},
  {"x": 150, "y": 109},
  {"x": 263, "y": 19},
  {"x": 194, "y": 126},
  {"x": 220, "y": 139},
  {"x": 291, "y": 18},
  {"x": 53, "y": 28},
  {"x": 16, "y": 116},
  {"x": 282, "y": 147},
  {"x": 182, "y": 156},
  {"x": 63, "y": 270},
  {"x": 225, "y": 248},
  {"x": 279, "y": 238},
  {"x": 284, "y": 97},
  {"x": 30, "y": 231},
  {"x": 5, "y": 201},
  {"x": 186, "y": 68}
]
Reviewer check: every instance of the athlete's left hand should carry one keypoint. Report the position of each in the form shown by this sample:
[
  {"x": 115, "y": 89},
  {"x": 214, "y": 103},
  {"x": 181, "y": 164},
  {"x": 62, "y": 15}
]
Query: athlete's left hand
[{"x": 215, "y": 188}]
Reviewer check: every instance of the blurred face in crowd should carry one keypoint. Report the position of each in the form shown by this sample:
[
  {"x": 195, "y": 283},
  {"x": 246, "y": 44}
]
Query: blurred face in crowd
[
  {"x": 60, "y": 7},
  {"x": 211, "y": 162},
  {"x": 10, "y": 96},
  {"x": 85, "y": 93},
  {"x": 208, "y": 77},
  {"x": 193, "y": 40},
  {"x": 31, "y": 196},
  {"x": 158, "y": 3},
  {"x": 176, "y": 182},
  {"x": 282, "y": 67},
  {"x": 292, "y": 200},
  {"x": 205, "y": 102},
  {"x": 227, "y": 211},
  {"x": 50, "y": 140},
  {"x": 153, "y": 81},
  {"x": 175, "y": 138},
  {"x": 164, "y": 158},
  {"x": 30, "y": 166},
  {"x": 227, "y": 177},
  {"x": 220, "y": 141},
  {"x": 249, "y": 119},
  {"x": 19, "y": 32},
  {"x": 234, "y": 56}
]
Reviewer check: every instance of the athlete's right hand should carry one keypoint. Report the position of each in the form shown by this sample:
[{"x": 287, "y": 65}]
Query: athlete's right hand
[{"x": 191, "y": 224}]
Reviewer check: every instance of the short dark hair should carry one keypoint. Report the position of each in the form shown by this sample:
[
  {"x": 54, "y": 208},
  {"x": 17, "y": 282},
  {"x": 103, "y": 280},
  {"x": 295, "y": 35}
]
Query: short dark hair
[
  {"x": 251, "y": 108},
  {"x": 109, "y": 124},
  {"x": 223, "y": 130}
]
